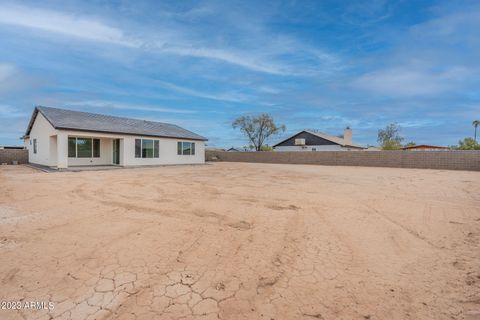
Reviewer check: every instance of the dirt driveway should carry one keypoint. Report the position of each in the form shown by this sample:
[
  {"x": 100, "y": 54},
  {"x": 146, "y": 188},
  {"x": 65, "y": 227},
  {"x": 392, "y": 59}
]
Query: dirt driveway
[{"x": 240, "y": 241}]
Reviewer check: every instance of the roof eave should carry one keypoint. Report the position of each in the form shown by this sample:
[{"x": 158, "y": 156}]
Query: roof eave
[{"x": 133, "y": 134}]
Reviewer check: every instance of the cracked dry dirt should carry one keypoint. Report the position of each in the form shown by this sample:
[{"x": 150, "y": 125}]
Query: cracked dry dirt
[{"x": 241, "y": 241}]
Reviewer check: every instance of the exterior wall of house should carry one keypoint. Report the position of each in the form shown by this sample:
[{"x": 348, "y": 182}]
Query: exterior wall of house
[
  {"x": 167, "y": 150},
  {"x": 106, "y": 148},
  {"x": 42, "y": 130},
  {"x": 52, "y": 148},
  {"x": 167, "y": 153},
  {"x": 106, "y": 154}
]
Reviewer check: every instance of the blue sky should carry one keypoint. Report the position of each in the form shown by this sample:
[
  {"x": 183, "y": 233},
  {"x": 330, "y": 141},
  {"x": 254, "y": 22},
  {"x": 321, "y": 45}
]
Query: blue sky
[{"x": 311, "y": 64}]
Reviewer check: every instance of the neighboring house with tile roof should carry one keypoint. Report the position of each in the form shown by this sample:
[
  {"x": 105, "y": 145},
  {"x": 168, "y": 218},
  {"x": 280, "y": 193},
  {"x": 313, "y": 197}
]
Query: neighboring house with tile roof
[
  {"x": 425, "y": 147},
  {"x": 309, "y": 140},
  {"x": 64, "y": 138}
]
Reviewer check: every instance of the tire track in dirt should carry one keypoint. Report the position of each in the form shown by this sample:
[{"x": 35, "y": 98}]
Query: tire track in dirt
[
  {"x": 102, "y": 197},
  {"x": 413, "y": 233}
]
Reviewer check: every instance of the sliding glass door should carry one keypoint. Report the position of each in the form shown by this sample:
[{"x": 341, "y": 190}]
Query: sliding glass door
[{"x": 116, "y": 151}]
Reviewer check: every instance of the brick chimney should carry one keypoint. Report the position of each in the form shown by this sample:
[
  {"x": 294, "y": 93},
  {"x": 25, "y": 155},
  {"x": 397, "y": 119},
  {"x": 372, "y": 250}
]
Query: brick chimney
[{"x": 347, "y": 135}]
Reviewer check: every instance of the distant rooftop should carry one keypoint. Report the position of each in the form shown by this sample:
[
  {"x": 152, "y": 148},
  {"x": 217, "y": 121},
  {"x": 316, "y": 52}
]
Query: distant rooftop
[
  {"x": 336, "y": 140},
  {"x": 425, "y": 146}
]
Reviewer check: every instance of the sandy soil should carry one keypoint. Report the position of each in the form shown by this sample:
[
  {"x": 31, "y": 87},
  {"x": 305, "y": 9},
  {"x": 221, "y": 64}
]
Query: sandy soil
[{"x": 241, "y": 241}]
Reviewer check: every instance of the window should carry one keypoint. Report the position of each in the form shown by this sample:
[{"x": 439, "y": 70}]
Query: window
[
  {"x": 34, "y": 145},
  {"x": 83, "y": 147},
  {"x": 185, "y": 148},
  {"x": 147, "y": 148}
]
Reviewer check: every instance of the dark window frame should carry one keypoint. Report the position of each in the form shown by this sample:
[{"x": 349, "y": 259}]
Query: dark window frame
[
  {"x": 94, "y": 142},
  {"x": 185, "y": 151},
  {"x": 139, "y": 149},
  {"x": 156, "y": 148},
  {"x": 35, "y": 147}
]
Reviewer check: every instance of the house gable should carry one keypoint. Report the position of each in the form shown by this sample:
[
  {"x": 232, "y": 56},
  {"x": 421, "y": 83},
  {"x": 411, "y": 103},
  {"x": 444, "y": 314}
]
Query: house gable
[{"x": 310, "y": 140}]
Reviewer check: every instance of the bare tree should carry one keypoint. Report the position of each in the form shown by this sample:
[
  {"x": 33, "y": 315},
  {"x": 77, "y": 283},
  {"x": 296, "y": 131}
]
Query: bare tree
[{"x": 258, "y": 128}]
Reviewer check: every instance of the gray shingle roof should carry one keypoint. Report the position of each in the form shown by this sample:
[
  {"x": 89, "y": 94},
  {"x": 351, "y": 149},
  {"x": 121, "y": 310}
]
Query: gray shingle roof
[{"x": 86, "y": 121}]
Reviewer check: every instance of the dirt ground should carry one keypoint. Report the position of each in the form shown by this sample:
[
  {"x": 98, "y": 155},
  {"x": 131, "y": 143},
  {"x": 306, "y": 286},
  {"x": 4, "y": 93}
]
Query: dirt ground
[{"x": 240, "y": 241}]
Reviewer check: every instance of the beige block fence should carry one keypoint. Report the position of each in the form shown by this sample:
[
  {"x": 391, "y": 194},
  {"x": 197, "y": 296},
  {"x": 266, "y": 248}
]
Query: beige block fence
[
  {"x": 8, "y": 156},
  {"x": 448, "y": 160}
]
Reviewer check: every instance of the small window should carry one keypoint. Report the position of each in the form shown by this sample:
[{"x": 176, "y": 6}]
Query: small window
[
  {"x": 138, "y": 148},
  {"x": 34, "y": 145},
  {"x": 185, "y": 148}
]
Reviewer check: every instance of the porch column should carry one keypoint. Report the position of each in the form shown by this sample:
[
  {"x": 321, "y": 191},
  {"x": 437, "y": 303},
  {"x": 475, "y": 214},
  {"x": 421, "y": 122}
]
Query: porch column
[{"x": 62, "y": 150}]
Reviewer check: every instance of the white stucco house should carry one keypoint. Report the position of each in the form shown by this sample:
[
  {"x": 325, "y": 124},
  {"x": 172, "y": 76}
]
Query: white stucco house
[
  {"x": 308, "y": 140},
  {"x": 63, "y": 138}
]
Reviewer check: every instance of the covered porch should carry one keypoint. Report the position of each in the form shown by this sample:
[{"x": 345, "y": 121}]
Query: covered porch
[{"x": 84, "y": 149}]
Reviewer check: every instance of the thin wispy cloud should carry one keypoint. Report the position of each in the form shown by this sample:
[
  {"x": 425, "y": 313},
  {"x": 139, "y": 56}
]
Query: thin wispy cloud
[
  {"x": 242, "y": 60},
  {"x": 63, "y": 23},
  {"x": 228, "y": 96},
  {"x": 405, "y": 81},
  {"x": 176, "y": 43},
  {"x": 13, "y": 81},
  {"x": 124, "y": 106},
  {"x": 452, "y": 27},
  {"x": 6, "y": 71},
  {"x": 9, "y": 112}
]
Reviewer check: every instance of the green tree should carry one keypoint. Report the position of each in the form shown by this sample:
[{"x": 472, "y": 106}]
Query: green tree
[
  {"x": 468, "y": 144},
  {"x": 257, "y": 128},
  {"x": 267, "y": 148},
  {"x": 389, "y": 137},
  {"x": 475, "y": 124}
]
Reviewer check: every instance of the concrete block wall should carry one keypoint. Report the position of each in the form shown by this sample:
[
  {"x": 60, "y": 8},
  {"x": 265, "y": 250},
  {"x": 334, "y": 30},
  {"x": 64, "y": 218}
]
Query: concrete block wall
[
  {"x": 10, "y": 155},
  {"x": 449, "y": 160}
]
